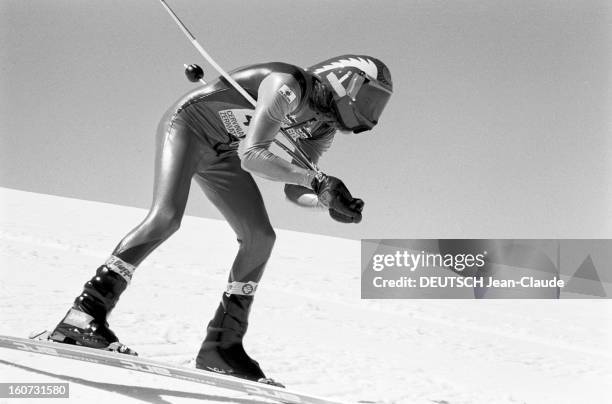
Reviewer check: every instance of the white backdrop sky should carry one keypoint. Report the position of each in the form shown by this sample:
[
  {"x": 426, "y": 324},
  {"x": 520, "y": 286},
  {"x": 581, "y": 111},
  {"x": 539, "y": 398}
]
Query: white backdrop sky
[{"x": 499, "y": 126}]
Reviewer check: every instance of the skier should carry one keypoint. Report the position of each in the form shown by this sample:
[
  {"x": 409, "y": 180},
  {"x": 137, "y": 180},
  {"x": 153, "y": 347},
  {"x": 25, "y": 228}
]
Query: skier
[{"x": 214, "y": 136}]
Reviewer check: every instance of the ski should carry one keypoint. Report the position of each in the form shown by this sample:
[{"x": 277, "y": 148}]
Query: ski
[{"x": 148, "y": 366}]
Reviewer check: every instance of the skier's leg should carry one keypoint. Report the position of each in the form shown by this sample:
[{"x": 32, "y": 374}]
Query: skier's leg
[
  {"x": 177, "y": 158},
  {"x": 178, "y": 155},
  {"x": 236, "y": 195}
]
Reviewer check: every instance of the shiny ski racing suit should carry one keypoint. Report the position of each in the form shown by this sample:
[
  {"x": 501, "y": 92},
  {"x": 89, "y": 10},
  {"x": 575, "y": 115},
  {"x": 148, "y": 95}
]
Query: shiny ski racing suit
[{"x": 213, "y": 135}]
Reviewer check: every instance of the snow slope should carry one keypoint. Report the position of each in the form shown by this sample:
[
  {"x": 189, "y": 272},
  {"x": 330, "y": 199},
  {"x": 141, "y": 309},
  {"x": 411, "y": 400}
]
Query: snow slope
[{"x": 309, "y": 327}]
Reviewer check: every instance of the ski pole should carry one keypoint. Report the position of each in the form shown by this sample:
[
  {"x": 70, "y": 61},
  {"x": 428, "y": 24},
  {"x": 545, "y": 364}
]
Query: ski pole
[{"x": 303, "y": 158}]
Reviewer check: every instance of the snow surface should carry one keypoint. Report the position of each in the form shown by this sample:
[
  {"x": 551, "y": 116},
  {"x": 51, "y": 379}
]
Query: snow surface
[{"x": 309, "y": 328}]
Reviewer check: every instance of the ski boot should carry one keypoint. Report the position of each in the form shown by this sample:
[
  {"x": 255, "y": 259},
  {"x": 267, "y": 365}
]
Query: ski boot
[
  {"x": 222, "y": 351},
  {"x": 85, "y": 323}
]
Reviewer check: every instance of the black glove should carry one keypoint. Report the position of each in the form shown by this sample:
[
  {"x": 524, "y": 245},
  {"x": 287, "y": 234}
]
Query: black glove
[
  {"x": 339, "y": 217},
  {"x": 333, "y": 194},
  {"x": 356, "y": 206}
]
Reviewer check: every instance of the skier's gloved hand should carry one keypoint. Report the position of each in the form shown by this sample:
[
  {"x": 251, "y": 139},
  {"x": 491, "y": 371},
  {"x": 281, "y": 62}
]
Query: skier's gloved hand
[
  {"x": 333, "y": 194},
  {"x": 342, "y": 218},
  {"x": 356, "y": 207},
  {"x": 339, "y": 217}
]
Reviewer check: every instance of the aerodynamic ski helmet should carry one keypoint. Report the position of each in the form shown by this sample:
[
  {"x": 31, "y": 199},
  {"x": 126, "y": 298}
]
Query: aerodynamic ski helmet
[{"x": 361, "y": 86}]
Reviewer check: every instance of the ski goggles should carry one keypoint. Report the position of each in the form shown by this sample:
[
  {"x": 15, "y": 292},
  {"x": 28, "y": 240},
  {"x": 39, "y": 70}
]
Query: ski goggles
[{"x": 361, "y": 103}]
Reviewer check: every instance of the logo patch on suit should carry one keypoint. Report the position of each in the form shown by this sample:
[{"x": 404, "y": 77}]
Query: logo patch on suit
[
  {"x": 236, "y": 121},
  {"x": 299, "y": 131},
  {"x": 241, "y": 288},
  {"x": 287, "y": 93}
]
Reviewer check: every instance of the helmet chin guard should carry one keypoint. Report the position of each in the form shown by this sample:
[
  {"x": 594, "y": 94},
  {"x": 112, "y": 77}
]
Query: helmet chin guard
[{"x": 361, "y": 87}]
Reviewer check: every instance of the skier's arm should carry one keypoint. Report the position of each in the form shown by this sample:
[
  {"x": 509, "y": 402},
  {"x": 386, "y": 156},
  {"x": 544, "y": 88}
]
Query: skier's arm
[
  {"x": 328, "y": 193},
  {"x": 305, "y": 196},
  {"x": 278, "y": 95}
]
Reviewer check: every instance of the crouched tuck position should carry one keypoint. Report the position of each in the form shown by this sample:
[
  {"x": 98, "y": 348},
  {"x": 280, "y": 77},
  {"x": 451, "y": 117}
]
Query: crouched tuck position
[{"x": 214, "y": 135}]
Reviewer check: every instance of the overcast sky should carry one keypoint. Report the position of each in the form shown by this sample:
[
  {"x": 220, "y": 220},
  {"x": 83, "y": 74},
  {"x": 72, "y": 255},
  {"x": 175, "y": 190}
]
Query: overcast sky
[{"x": 499, "y": 126}]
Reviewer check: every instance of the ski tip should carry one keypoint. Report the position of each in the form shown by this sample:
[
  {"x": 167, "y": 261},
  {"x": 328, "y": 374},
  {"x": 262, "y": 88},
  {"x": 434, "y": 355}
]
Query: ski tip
[
  {"x": 270, "y": 382},
  {"x": 40, "y": 335}
]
